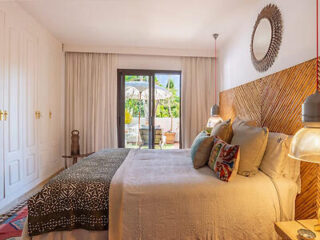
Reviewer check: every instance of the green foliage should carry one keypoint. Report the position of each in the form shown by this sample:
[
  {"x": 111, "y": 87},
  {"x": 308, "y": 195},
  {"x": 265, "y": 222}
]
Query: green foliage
[
  {"x": 173, "y": 102},
  {"x": 134, "y": 106}
]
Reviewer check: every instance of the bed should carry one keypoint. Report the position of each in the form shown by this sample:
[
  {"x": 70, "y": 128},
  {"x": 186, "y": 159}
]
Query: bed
[
  {"x": 199, "y": 203},
  {"x": 157, "y": 194}
]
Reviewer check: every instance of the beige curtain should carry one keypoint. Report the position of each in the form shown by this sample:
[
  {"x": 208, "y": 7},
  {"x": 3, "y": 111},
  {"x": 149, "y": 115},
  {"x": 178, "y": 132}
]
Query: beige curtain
[
  {"x": 91, "y": 100},
  {"x": 197, "y": 96}
]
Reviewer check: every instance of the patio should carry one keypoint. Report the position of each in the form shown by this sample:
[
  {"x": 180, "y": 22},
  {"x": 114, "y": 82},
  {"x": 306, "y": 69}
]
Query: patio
[{"x": 132, "y": 132}]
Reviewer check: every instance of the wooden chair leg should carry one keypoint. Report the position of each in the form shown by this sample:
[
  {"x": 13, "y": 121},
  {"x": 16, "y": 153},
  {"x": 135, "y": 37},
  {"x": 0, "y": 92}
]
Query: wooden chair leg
[{"x": 75, "y": 160}]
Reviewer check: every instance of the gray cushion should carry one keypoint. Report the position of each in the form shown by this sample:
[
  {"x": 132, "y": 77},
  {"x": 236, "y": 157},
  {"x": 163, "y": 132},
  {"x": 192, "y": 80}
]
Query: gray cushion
[{"x": 201, "y": 149}]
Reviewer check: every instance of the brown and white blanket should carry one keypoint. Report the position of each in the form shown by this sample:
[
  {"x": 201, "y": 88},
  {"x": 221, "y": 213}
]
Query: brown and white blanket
[{"x": 78, "y": 197}]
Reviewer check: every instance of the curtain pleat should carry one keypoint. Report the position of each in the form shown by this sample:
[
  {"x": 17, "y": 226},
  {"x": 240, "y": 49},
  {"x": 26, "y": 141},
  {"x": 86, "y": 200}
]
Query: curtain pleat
[
  {"x": 91, "y": 100},
  {"x": 197, "y": 96}
]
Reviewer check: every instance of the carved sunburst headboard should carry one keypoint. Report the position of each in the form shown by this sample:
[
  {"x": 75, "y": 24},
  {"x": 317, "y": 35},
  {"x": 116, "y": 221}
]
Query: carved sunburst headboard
[{"x": 275, "y": 102}]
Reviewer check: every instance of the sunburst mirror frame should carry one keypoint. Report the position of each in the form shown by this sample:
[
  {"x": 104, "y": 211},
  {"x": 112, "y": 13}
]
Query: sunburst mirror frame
[{"x": 273, "y": 14}]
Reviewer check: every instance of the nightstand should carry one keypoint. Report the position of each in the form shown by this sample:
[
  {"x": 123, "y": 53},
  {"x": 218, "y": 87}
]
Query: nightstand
[{"x": 288, "y": 230}]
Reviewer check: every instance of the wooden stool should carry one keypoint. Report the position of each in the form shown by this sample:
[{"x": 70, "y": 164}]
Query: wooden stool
[{"x": 74, "y": 158}]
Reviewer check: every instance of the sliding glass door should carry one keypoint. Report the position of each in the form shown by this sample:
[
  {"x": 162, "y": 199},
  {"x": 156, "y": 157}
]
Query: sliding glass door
[{"x": 149, "y": 109}]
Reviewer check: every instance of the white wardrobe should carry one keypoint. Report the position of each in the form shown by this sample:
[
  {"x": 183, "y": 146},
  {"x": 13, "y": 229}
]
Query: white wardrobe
[{"x": 31, "y": 103}]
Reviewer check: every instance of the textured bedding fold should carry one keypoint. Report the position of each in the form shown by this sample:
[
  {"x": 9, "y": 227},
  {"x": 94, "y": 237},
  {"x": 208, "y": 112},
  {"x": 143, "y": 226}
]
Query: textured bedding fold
[{"x": 78, "y": 197}]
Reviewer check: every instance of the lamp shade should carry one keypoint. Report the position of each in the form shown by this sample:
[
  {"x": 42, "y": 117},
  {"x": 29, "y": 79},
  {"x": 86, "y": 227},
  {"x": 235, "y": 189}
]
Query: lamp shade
[
  {"x": 214, "y": 120},
  {"x": 305, "y": 145},
  {"x": 215, "y": 110}
]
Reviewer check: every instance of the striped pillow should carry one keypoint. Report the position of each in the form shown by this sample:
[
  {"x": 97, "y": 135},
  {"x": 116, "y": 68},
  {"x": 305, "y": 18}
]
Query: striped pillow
[{"x": 224, "y": 160}]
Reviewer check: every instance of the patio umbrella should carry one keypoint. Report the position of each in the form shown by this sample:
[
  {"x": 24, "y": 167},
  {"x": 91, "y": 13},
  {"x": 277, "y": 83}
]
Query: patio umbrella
[{"x": 140, "y": 90}]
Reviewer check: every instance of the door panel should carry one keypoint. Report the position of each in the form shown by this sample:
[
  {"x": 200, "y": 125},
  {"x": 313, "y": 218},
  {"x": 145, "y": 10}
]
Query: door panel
[
  {"x": 43, "y": 100},
  {"x": 13, "y": 104},
  {"x": 31, "y": 165},
  {"x": 44, "y": 93},
  {"x": 14, "y": 90},
  {"x": 14, "y": 171},
  {"x": 167, "y": 110},
  {"x": 2, "y": 49},
  {"x": 137, "y": 118},
  {"x": 29, "y": 64}
]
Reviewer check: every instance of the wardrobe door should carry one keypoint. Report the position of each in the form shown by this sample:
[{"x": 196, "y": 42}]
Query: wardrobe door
[
  {"x": 55, "y": 103},
  {"x": 2, "y": 49},
  {"x": 43, "y": 108},
  {"x": 29, "y": 81},
  {"x": 13, "y": 103}
]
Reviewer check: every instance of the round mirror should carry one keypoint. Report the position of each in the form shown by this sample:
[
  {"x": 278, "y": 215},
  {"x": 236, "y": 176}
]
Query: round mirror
[
  {"x": 262, "y": 39},
  {"x": 266, "y": 38}
]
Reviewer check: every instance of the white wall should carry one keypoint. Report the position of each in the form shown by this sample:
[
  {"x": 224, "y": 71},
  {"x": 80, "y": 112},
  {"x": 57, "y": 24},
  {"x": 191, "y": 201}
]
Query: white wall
[
  {"x": 149, "y": 62},
  {"x": 298, "y": 42}
]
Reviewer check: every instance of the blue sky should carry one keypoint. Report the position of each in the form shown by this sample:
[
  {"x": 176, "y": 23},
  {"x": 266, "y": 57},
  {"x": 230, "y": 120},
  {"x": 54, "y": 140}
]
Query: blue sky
[{"x": 163, "y": 79}]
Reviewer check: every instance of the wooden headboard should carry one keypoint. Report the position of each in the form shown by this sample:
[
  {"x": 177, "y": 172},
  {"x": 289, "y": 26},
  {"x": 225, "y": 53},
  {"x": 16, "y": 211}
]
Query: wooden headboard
[{"x": 275, "y": 102}]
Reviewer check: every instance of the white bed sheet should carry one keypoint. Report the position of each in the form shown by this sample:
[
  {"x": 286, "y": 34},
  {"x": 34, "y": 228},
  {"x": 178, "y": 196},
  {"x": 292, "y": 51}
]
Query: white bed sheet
[{"x": 159, "y": 195}]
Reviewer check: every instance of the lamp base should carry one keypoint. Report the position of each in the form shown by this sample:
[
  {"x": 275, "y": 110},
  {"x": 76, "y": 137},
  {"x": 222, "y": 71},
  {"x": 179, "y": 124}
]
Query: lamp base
[{"x": 317, "y": 226}]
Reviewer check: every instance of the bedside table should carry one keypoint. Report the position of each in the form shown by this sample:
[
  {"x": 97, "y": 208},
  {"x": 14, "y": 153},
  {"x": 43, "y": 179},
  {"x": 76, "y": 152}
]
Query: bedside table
[{"x": 289, "y": 230}]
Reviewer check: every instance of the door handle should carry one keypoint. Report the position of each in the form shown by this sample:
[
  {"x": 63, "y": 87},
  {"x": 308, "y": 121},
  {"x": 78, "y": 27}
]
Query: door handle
[
  {"x": 50, "y": 115},
  {"x": 5, "y": 115},
  {"x": 37, "y": 114},
  {"x": 1, "y": 114}
]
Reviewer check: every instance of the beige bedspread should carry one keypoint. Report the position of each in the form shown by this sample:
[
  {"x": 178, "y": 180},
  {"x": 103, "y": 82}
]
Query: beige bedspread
[{"x": 159, "y": 195}]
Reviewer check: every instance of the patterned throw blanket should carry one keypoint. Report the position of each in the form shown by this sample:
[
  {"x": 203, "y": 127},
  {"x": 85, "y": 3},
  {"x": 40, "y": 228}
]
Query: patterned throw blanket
[{"x": 78, "y": 197}]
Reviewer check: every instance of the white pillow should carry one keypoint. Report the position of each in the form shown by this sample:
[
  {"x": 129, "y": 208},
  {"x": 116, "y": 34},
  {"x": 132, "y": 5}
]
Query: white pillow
[
  {"x": 292, "y": 166},
  {"x": 273, "y": 162},
  {"x": 276, "y": 163}
]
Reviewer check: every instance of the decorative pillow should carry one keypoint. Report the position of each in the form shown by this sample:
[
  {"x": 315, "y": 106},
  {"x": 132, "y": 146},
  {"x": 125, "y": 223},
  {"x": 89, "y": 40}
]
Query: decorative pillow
[
  {"x": 253, "y": 142},
  {"x": 201, "y": 148},
  {"x": 239, "y": 121},
  {"x": 273, "y": 161},
  {"x": 224, "y": 160},
  {"x": 223, "y": 130}
]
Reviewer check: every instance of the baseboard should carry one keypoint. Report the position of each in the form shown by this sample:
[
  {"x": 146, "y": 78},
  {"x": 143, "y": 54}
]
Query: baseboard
[{"x": 32, "y": 188}]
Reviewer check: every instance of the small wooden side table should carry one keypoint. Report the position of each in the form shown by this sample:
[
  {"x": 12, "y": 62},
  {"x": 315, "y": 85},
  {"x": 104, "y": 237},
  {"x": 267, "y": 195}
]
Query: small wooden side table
[
  {"x": 74, "y": 158},
  {"x": 289, "y": 230}
]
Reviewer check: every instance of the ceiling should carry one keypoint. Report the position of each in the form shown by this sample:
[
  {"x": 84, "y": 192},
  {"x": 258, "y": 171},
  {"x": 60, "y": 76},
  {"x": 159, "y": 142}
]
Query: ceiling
[{"x": 169, "y": 24}]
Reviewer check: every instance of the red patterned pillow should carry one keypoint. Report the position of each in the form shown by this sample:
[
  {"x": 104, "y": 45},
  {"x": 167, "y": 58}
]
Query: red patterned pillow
[{"x": 224, "y": 160}]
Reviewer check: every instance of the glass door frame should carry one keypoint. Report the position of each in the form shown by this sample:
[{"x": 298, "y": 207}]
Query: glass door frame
[{"x": 121, "y": 73}]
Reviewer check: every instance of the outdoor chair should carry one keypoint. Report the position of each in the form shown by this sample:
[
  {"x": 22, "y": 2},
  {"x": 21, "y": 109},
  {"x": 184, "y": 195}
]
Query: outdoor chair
[{"x": 144, "y": 137}]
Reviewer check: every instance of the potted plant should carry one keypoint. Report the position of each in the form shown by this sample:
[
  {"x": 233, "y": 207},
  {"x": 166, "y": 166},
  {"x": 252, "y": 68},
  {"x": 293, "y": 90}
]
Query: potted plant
[{"x": 170, "y": 135}]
